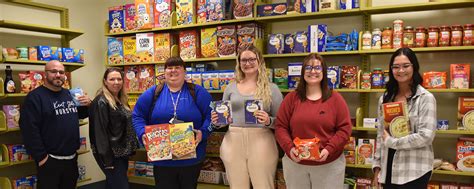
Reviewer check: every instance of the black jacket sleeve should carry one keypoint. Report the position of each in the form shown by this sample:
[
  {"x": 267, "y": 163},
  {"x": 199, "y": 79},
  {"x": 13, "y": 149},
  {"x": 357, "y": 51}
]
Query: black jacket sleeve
[
  {"x": 30, "y": 127},
  {"x": 98, "y": 131},
  {"x": 83, "y": 112}
]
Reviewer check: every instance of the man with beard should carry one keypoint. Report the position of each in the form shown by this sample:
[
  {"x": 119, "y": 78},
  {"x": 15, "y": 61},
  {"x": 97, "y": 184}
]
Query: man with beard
[{"x": 49, "y": 123}]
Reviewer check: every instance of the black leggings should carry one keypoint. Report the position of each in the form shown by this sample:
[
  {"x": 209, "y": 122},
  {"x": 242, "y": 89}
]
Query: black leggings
[
  {"x": 176, "y": 177},
  {"x": 421, "y": 182}
]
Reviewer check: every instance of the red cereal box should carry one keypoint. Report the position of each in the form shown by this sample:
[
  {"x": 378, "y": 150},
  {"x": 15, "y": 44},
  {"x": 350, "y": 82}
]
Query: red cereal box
[
  {"x": 434, "y": 80},
  {"x": 162, "y": 13},
  {"x": 157, "y": 142},
  {"x": 349, "y": 76},
  {"x": 188, "y": 44},
  {"x": 465, "y": 154},
  {"x": 131, "y": 82},
  {"x": 308, "y": 149},
  {"x": 130, "y": 13},
  {"x": 146, "y": 78}
]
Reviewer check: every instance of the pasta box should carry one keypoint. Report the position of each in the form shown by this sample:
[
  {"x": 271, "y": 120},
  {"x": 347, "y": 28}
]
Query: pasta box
[
  {"x": 271, "y": 9},
  {"x": 224, "y": 112},
  {"x": 301, "y": 42},
  {"x": 334, "y": 77},
  {"x": 317, "y": 37},
  {"x": 294, "y": 74},
  {"x": 275, "y": 44},
  {"x": 289, "y": 43}
]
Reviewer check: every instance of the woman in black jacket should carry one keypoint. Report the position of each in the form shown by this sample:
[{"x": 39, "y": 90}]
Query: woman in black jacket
[{"x": 111, "y": 134}]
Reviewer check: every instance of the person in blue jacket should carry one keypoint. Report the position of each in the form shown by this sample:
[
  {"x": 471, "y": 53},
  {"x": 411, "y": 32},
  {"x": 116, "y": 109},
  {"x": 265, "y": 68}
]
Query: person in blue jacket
[{"x": 177, "y": 101}]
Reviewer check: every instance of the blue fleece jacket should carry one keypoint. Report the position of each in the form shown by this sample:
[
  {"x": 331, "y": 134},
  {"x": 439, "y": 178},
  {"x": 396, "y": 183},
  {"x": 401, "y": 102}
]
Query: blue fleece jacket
[{"x": 188, "y": 110}]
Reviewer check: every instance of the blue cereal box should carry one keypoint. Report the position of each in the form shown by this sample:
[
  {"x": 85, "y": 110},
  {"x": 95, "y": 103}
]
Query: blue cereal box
[
  {"x": 56, "y": 53},
  {"x": 78, "y": 55},
  {"x": 276, "y": 44},
  {"x": 346, "y": 4},
  {"x": 289, "y": 43},
  {"x": 68, "y": 55},
  {"x": 116, "y": 19},
  {"x": 334, "y": 77},
  {"x": 251, "y": 108},
  {"x": 114, "y": 50},
  {"x": 140, "y": 168},
  {"x": 210, "y": 80},
  {"x": 44, "y": 53},
  {"x": 149, "y": 170},
  {"x": 301, "y": 42},
  {"x": 317, "y": 37},
  {"x": 223, "y": 109},
  {"x": 196, "y": 78},
  {"x": 225, "y": 77},
  {"x": 76, "y": 93},
  {"x": 294, "y": 73}
]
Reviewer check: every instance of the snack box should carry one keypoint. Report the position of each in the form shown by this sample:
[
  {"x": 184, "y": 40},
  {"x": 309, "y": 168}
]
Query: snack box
[
  {"x": 271, "y": 9},
  {"x": 251, "y": 107},
  {"x": 334, "y": 77},
  {"x": 460, "y": 76},
  {"x": 12, "y": 113},
  {"x": 224, "y": 112},
  {"x": 466, "y": 113},
  {"x": 396, "y": 120},
  {"x": 276, "y": 43},
  {"x": 289, "y": 43}
]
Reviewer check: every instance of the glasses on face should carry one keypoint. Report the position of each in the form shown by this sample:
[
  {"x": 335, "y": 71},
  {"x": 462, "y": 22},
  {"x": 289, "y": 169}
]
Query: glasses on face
[
  {"x": 170, "y": 68},
  {"x": 398, "y": 67},
  {"x": 61, "y": 72},
  {"x": 316, "y": 68},
  {"x": 248, "y": 60}
]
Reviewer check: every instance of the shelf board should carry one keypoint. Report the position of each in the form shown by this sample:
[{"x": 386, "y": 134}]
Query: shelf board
[
  {"x": 142, "y": 180},
  {"x": 423, "y": 49},
  {"x": 40, "y": 28},
  {"x": 20, "y": 162},
  {"x": 84, "y": 180},
  {"x": 417, "y": 7},
  {"x": 135, "y": 93},
  {"x": 210, "y": 59},
  {"x": 141, "y": 150},
  {"x": 135, "y": 64},
  {"x": 82, "y": 152},
  {"x": 215, "y": 23},
  {"x": 289, "y": 55},
  {"x": 215, "y": 91},
  {"x": 82, "y": 123},
  {"x": 364, "y": 129},
  {"x": 4, "y": 163},
  {"x": 286, "y": 90},
  {"x": 137, "y": 31},
  {"x": 307, "y": 16},
  {"x": 14, "y": 95},
  {"x": 39, "y": 62},
  {"x": 451, "y": 90},
  {"x": 359, "y": 166},
  {"x": 456, "y": 173},
  {"x": 455, "y": 132}
]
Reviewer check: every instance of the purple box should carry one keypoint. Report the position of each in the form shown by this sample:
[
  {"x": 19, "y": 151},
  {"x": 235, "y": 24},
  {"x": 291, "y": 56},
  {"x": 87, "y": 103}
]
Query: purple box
[
  {"x": 276, "y": 44},
  {"x": 251, "y": 107},
  {"x": 289, "y": 43},
  {"x": 334, "y": 77},
  {"x": 12, "y": 114},
  {"x": 301, "y": 42},
  {"x": 223, "y": 109}
]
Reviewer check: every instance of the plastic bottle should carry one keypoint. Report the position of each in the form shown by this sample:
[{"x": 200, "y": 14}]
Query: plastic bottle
[{"x": 9, "y": 85}]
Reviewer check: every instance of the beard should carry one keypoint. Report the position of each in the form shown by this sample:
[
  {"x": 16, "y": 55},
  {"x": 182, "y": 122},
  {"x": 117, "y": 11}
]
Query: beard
[{"x": 57, "y": 82}]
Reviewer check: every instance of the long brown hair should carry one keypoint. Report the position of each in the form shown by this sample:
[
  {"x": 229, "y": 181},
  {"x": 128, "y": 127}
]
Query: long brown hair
[
  {"x": 122, "y": 95},
  {"x": 301, "y": 88}
]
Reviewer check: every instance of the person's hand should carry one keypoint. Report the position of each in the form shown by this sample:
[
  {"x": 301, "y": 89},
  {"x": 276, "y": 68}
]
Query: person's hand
[
  {"x": 144, "y": 139},
  {"x": 375, "y": 180},
  {"x": 385, "y": 135},
  {"x": 198, "y": 136},
  {"x": 323, "y": 155},
  {"x": 42, "y": 162},
  {"x": 214, "y": 117},
  {"x": 84, "y": 100},
  {"x": 294, "y": 155},
  {"x": 262, "y": 117}
]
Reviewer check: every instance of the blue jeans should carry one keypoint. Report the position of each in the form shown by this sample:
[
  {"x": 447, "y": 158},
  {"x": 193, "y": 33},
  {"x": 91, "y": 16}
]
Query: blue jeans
[{"x": 116, "y": 178}]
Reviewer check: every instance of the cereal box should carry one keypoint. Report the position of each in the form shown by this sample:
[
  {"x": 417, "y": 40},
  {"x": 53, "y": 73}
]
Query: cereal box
[
  {"x": 294, "y": 73},
  {"x": 116, "y": 19},
  {"x": 188, "y": 44},
  {"x": 130, "y": 13},
  {"x": 83, "y": 146},
  {"x": 281, "y": 78},
  {"x": 159, "y": 74},
  {"x": 215, "y": 10},
  {"x": 115, "y": 50},
  {"x": 144, "y": 14},
  {"x": 214, "y": 142},
  {"x": 365, "y": 151},
  {"x": 162, "y": 46},
  {"x": 365, "y": 80},
  {"x": 162, "y": 13},
  {"x": 308, "y": 149},
  {"x": 18, "y": 153},
  {"x": 346, "y": 4},
  {"x": 251, "y": 108},
  {"x": 157, "y": 142},
  {"x": 349, "y": 76},
  {"x": 78, "y": 56},
  {"x": 146, "y": 77},
  {"x": 67, "y": 80},
  {"x": 201, "y": 11},
  {"x": 149, "y": 170},
  {"x": 289, "y": 43},
  {"x": 210, "y": 80},
  {"x": 350, "y": 156},
  {"x": 351, "y": 144},
  {"x": 140, "y": 168},
  {"x": 465, "y": 154},
  {"x": 226, "y": 40},
  {"x": 145, "y": 48},
  {"x": 364, "y": 183},
  {"x": 44, "y": 53},
  {"x": 395, "y": 119},
  {"x": 21, "y": 183},
  {"x": 209, "y": 42},
  {"x": 434, "y": 80},
  {"x": 317, "y": 37},
  {"x": 225, "y": 77},
  {"x": 131, "y": 82},
  {"x": 466, "y": 113},
  {"x": 32, "y": 53},
  {"x": 56, "y": 54},
  {"x": 246, "y": 35},
  {"x": 224, "y": 112},
  {"x": 12, "y": 115},
  {"x": 460, "y": 76},
  {"x": 131, "y": 168},
  {"x": 301, "y": 42},
  {"x": 182, "y": 141},
  {"x": 130, "y": 50},
  {"x": 243, "y": 9},
  {"x": 30, "y": 80},
  {"x": 275, "y": 44},
  {"x": 196, "y": 78},
  {"x": 68, "y": 54},
  {"x": 334, "y": 77},
  {"x": 185, "y": 12}
]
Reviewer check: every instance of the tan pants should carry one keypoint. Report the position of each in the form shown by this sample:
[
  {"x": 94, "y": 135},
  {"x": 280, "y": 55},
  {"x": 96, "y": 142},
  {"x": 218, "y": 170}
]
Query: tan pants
[
  {"x": 249, "y": 153},
  {"x": 327, "y": 176}
]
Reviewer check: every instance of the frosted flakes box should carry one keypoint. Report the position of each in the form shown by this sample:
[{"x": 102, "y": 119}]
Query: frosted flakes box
[
  {"x": 460, "y": 76},
  {"x": 317, "y": 37},
  {"x": 188, "y": 44},
  {"x": 223, "y": 109},
  {"x": 294, "y": 73},
  {"x": 334, "y": 77},
  {"x": 243, "y": 9},
  {"x": 78, "y": 55},
  {"x": 185, "y": 12},
  {"x": 144, "y": 14},
  {"x": 44, "y": 53},
  {"x": 349, "y": 76},
  {"x": 162, "y": 46},
  {"x": 146, "y": 77},
  {"x": 57, "y": 54},
  {"x": 215, "y": 10},
  {"x": 183, "y": 143},
  {"x": 466, "y": 113},
  {"x": 157, "y": 142},
  {"x": 130, "y": 13},
  {"x": 145, "y": 47},
  {"x": 251, "y": 108},
  {"x": 116, "y": 19},
  {"x": 275, "y": 44},
  {"x": 226, "y": 41},
  {"x": 131, "y": 82},
  {"x": 209, "y": 42},
  {"x": 159, "y": 74},
  {"x": 196, "y": 78},
  {"x": 396, "y": 119},
  {"x": 162, "y": 13},
  {"x": 365, "y": 151},
  {"x": 201, "y": 11},
  {"x": 301, "y": 42},
  {"x": 129, "y": 50},
  {"x": 246, "y": 35},
  {"x": 114, "y": 51},
  {"x": 281, "y": 78},
  {"x": 210, "y": 80},
  {"x": 12, "y": 113},
  {"x": 289, "y": 43},
  {"x": 465, "y": 154},
  {"x": 68, "y": 55}
]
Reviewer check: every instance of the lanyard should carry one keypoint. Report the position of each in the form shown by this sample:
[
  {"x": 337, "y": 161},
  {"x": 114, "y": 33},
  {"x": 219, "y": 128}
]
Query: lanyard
[{"x": 175, "y": 104}]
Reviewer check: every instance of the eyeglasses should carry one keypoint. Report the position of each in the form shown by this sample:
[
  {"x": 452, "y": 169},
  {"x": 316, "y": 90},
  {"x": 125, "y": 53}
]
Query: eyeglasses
[
  {"x": 398, "y": 67},
  {"x": 248, "y": 60},
  {"x": 61, "y": 72},
  {"x": 316, "y": 68},
  {"x": 170, "y": 68}
]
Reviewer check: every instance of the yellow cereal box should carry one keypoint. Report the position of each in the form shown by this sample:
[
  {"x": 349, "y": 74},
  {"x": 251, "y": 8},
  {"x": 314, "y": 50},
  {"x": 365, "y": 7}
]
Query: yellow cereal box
[
  {"x": 159, "y": 74},
  {"x": 185, "y": 12},
  {"x": 145, "y": 48},
  {"x": 162, "y": 46},
  {"x": 144, "y": 14},
  {"x": 210, "y": 80},
  {"x": 209, "y": 42},
  {"x": 129, "y": 50},
  {"x": 196, "y": 78},
  {"x": 183, "y": 144}
]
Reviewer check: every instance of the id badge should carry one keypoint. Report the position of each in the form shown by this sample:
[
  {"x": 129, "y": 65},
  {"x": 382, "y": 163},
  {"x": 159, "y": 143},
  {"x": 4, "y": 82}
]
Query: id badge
[{"x": 175, "y": 120}]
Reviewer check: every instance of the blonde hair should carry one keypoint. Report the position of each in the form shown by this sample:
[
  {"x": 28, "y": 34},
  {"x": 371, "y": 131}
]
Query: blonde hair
[
  {"x": 122, "y": 95},
  {"x": 263, "y": 85}
]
